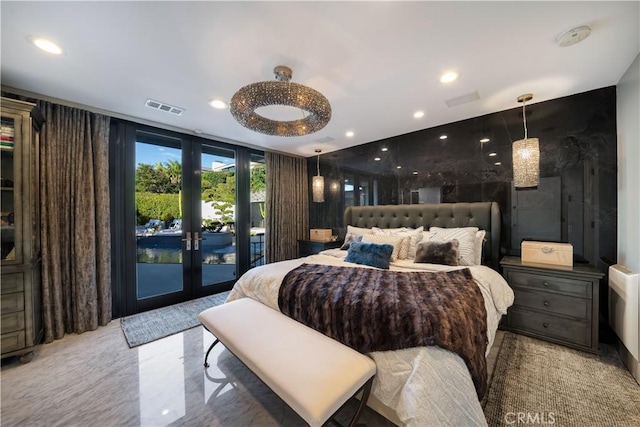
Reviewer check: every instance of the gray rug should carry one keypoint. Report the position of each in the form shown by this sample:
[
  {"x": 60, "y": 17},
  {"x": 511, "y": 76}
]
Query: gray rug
[
  {"x": 559, "y": 386},
  {"x": 151, "y": 325}
]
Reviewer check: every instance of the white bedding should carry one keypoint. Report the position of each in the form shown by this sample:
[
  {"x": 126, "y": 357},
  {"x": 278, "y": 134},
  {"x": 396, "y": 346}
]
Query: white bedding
[{"x": 425, "y": 386}]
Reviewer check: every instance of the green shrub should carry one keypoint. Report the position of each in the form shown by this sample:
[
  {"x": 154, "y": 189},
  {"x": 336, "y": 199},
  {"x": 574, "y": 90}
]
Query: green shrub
[{"x": 158, "y": 206}]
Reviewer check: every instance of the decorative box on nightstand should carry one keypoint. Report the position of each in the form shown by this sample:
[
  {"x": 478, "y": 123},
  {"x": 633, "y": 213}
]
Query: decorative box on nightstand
[
  {"x": 310, "y": 247},
  {"x": 555, "y": 304}
]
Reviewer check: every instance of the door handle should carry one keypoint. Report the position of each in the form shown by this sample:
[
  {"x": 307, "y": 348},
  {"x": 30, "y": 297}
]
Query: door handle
[
  {"x": 196, "y": 241},
  {"x": 188, "y": 240}
]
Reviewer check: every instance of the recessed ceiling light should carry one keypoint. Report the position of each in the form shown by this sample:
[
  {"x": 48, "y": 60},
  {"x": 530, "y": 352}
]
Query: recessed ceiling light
[
  {"x": 485, "y": 140},
  {"x": 493, "y": 154},
  {"x": 418, "y": 114},
  {"x": 349, "y": 134},
  {"x": 448, "y": 77},
  {"x": 377, "y": 159},
  {"x": 443, "y": 136},
  {"x": 218, "y": 103},
  {"x": 398, "y": 167},
  {"x": 497, "y": 163},
  {"x": 384, "y": 149},
  {"x": 415, "y": 172},
  {"x": 46, "y": 45}
]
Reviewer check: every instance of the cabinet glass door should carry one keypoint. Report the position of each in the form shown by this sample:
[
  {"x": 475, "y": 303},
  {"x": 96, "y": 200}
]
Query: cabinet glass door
[{"x": 9, "y": 202}]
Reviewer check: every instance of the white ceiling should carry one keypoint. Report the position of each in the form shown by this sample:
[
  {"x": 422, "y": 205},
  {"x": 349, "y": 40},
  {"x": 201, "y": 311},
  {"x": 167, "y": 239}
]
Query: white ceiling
[{"x": 376, "y": 62}]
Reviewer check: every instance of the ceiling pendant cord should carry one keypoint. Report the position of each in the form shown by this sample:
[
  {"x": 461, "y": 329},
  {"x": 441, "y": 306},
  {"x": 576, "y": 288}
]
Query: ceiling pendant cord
[
  {"x": 524, "y": 118},
  {"x": 318, "y": 156}
]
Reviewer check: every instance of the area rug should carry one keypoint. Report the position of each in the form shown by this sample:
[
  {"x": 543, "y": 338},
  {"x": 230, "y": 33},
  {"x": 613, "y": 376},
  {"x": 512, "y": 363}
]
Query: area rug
[
  {"x": 151, "y": 325},
  {"x": 536, "y": 382}
]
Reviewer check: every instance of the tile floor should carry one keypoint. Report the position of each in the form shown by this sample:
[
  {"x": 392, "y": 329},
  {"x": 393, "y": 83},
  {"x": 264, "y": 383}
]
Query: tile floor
[{"x": 95, "y": 379}]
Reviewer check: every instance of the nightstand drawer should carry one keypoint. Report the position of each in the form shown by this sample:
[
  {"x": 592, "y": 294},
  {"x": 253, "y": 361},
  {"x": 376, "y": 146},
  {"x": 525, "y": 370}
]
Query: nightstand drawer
[
  {"x": 12, "y": 302},
  {"x": 578, "y": 288},
  {"x": 12, "y": 341},
  {"x": 546, "y": 325},
  {"x": 13, "y": 282},
  {"x": 553, "y": 303},
  {"x": 12, "y": 322}
]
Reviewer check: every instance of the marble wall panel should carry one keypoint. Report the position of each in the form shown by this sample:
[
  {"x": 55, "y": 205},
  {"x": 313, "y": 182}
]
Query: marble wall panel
[{"x": 577, "y": 143}]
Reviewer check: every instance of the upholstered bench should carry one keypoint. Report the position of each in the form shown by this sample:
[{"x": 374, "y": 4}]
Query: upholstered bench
[{"x": 312, "y": 373}]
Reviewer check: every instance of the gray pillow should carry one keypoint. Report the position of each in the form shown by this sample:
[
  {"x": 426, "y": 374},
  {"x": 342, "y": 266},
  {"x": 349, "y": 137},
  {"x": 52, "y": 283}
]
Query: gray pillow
[{"x": 438, "y": 252}]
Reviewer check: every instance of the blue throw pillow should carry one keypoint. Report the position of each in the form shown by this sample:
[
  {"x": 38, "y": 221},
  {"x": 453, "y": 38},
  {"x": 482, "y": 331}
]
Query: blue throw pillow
[{"x": 371, "y": 254}]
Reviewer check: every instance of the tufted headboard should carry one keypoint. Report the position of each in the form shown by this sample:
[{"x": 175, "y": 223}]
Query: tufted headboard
[{"x": 484, "y": 215}]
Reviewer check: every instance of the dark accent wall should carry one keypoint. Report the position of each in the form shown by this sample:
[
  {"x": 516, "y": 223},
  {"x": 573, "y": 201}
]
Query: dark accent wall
[{"x": 577, "y": 143}]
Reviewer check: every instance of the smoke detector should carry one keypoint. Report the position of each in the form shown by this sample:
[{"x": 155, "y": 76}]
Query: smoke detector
[{"x": 573, "y": 36}]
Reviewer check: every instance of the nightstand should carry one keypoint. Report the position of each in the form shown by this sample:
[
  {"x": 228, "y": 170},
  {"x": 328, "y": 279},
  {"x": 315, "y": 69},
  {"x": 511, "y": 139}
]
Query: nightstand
[
  {"x": 310, "y": 247},
  {"x": 555, "y": 304}
]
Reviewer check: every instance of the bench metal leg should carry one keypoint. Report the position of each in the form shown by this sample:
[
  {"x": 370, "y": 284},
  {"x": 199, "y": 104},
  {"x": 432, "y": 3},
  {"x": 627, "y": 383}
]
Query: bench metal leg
[
  {"x": 366, "y": 389},
  {"x": 206, "y": 364}
]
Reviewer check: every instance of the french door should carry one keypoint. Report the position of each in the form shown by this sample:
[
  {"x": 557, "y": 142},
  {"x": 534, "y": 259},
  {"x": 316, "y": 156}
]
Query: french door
[{"x": 185, "y": 207}]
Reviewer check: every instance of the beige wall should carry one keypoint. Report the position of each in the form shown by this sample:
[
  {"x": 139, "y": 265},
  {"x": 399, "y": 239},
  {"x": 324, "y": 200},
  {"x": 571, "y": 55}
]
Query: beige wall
[{"x": 628, "y": 125}]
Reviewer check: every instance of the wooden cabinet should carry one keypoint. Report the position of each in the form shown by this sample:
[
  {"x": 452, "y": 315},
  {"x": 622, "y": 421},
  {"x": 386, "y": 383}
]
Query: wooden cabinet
[
  {"x": 310, "y": 247},
  {"x": 558, "y": 305},
  {"x": 20, "y": 289}
]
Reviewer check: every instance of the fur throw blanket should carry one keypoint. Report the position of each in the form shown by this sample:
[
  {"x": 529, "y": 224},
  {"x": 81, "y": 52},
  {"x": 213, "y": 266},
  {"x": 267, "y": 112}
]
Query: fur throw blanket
[{"x": 379, "y": 310}]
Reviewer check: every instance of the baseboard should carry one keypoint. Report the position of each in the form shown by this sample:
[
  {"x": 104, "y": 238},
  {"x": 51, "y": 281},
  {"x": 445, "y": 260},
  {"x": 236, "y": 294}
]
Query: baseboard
[{"x": 627, "y": 358}]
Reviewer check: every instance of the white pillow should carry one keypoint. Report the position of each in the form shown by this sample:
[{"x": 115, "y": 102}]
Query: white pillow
[
  {"x": 414, "y": 235},
  {"x": 478, "y": 246},
  {"x": 381, "y": 239},
  {"x": 354, "y": 234},
  {"x": 358, "y": 230},
  {"x": 465, "y": 236}
]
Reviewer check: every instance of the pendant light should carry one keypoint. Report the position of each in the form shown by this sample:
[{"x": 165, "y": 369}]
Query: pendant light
[
  {"x": 318, "y": 183},
  {"x": 526, "y": 155}
]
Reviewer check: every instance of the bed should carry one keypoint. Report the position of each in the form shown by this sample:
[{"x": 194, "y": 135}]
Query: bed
[{"x": 424, "y": 385}]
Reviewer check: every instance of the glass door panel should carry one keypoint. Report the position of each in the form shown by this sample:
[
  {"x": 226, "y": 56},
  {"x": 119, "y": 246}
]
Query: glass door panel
[
  {"x": 217, "y": 249},
  {"x": 258, "y": 190},
  {"x": 8, "y": 203},
  {"x": 158, "y": 202}
]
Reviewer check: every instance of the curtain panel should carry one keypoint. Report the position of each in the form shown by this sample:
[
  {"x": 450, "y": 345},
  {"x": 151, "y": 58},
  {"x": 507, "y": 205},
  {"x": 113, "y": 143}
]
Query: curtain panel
[
  {"x": 74, "y": 203},
  {"x": 287, "y": 206}
]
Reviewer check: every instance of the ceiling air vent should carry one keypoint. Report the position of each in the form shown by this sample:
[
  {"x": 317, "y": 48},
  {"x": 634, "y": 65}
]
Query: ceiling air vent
[
  {"x": 156, "y": 105},
  {"x": 324, "y": 139},
  {"x": 454, "y": 102}
]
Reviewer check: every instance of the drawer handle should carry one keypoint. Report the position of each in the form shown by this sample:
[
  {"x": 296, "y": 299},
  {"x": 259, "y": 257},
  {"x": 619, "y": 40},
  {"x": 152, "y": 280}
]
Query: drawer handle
[
  {"x": 546, "y": 249},
  {"x": 545, "y": 325},
  {"x": 546, "y": 303}
]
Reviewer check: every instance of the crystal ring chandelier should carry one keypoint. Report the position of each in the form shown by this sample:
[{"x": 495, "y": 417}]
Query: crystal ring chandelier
[{"x": 280, "y": 92}]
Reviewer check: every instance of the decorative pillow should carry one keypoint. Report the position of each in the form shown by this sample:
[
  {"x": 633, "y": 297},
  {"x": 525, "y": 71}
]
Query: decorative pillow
[
  {"x": 389, "y": 230},
  {"x": 479, "y": 244},
  {"x": 408, "y": 251},
  {"x": 354, "y": 233},
  {"x": 396, "y": 242},
  {"x": 349, "y": 238},
  {"x": 466, "y": 237},
  {"x": 358, "y": 230},
  {"x": 438, "y": 253},
  {"x": 370, "y": 254}
]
